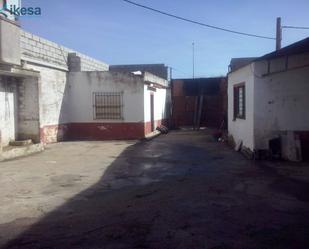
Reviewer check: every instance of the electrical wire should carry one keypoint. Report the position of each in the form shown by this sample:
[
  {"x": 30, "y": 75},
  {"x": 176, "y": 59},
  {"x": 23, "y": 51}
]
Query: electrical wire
[
  {"x": 179, "y": 71},
  {"x": 198, "y": 23},
  {"x": 294, "y": 27}
]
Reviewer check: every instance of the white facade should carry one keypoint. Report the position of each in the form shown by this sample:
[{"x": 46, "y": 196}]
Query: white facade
[
  {"x": 19, "y": 117},
  {"x": 82, "y": 85},
  {"x": 136, "y": 96},
  {"x": 277, "y": 100},
  {"x": 160, "y": 98},
  {"x": 155, "y": 90},
  {"x": 281, "y": 99},
  {"x": 52, "y": 94},
  {"x": 7, "y": 117},
  {"x": 48, "y": 95},
  {"x": 242, "y": 129}
]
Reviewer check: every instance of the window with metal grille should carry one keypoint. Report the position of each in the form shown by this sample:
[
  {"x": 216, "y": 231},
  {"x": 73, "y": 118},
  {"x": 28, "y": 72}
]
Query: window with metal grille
[
  {"x": 108, "y": 105},
  {"x": 239, "y": 101}
]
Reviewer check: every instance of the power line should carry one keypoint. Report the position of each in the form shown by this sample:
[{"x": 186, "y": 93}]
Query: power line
[
  {"x": 179, "y": 71},
  {"x": 294, "y": 27},
  {"x": 182, "y": 72},
  {"x": 196, "y": 22}
]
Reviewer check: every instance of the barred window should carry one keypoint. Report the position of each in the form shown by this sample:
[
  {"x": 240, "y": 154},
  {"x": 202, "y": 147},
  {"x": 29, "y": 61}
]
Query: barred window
[
  {"x": 239, "y": 101},
  {"x": 108, "y": 105}
]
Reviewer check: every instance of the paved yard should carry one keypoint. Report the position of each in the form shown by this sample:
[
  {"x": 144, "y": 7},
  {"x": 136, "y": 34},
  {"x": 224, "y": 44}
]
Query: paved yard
[{"x": 180, "y": 190}]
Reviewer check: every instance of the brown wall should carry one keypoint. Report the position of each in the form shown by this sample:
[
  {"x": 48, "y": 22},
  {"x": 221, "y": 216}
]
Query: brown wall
[{"x": 185, "y": 95}]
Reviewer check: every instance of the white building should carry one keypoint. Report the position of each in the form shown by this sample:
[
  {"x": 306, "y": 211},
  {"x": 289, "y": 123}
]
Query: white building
[
  {"x": 113, "y": 105},
  {"x": 268, "y": 98},
  {"x": 50, "y": 93}
]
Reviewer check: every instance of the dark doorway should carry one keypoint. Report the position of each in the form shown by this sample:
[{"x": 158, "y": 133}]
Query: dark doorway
[
  {"x": 304, "y": 141},
  {"x": 152, "y": 111}
]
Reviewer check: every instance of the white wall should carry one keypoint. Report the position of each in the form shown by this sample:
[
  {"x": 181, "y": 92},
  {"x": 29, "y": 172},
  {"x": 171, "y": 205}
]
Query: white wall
[
  {"x": 242, "y": 129},
  {"x": 9, "y": 42},
  {"x": 19, "y": 108},
  {"x": 151, "y": 78},
  {"x": 52, "y": 95},
  {"x": 282, "y": 98},
  {"x": 8, "y": 109},
  {"x": 7, "y": 117},
  {"x": 159, "y": 104},
  {"x": 51, "y": 61},
  {"x": 28, "y": 125},
  {"x": 83, "y": 84}
]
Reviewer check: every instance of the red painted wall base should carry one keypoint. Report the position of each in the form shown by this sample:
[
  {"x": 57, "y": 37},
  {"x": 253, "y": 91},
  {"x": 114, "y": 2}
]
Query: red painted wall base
[
  {"x": 54, "y": 133},
  {"x": 157, "y": 124},
  {"x": 96, "y": 131},
  {"x": 105, "y": 131}
]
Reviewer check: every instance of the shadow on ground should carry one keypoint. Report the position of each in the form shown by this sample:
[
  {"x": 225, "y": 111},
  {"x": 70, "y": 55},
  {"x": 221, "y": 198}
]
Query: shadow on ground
[{"x": 182, "y": 190}]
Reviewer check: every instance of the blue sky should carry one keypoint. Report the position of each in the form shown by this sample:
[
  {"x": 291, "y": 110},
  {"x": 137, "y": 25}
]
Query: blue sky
[{"x": 118, "y": 33}]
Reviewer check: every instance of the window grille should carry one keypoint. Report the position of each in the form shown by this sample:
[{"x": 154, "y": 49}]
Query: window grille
[
  {"x": 108, "y": 105},
  {"x": 239, "y": 101}
]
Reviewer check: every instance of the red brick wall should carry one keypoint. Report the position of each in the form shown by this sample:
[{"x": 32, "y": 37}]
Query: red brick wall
[
  {"x": 183, "y": 110},
  {"x": 184, "y": 104},
  {"x": 177, "y": 88}
]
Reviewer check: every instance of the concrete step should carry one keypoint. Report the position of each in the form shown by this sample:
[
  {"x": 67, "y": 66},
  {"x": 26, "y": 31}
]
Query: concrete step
[
  {"x": 12, "y": 152},
  {"x": 152, "y": 135},
  {"x": 21, "y": 142}
]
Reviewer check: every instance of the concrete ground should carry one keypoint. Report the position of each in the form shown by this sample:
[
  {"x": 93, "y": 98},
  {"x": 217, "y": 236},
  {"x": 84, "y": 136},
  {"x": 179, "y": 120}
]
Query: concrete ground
[{"x": 181, "y": 190}]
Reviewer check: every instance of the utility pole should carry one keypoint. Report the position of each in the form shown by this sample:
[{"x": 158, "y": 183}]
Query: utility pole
[
  {"x": 171, "y": 76},
  {"x": 278, "y": 33},
  {"x": 193, "y": 59}
]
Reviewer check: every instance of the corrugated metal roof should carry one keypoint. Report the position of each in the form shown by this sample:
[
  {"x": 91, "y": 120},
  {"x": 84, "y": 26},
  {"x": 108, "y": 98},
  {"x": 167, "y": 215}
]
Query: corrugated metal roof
[{"x": 295, "y": 48}]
